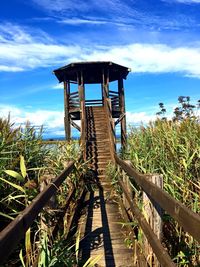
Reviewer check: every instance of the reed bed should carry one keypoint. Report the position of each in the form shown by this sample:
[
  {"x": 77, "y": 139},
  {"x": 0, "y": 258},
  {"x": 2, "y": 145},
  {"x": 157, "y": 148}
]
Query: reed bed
[
  {"x": 172, "y": 148},
  {"x": 27, "y": 165}
]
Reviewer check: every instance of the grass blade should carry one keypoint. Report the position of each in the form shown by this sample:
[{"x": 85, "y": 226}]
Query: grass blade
[
  {"x": 15, "y": 174},
  {"x": 22, "y": 166},
  {"x": 18, "y": 187}
]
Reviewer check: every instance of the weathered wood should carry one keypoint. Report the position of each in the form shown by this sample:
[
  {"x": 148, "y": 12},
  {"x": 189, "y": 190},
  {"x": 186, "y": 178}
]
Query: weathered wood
[
  {"x": 113, "y": 92},
  {"x": 126, "y": 182},
  {"x": 186, "y": 218},
  {"x": 75, "y": 125},
  {"x": 110, "y": 125},
  {"x": 15, "y": 231},
  {"x": 122, "y": 110},
  {"x": 74, "y": 94},
  {"x": 138, "y": 258},
  {"x": 105, "y": 78},
  {"x": 120, "y": 118},
  {"x": 66, "y": 111},
  {"x": 81, "y": 90},
  {"x": 102, "y": 231},
  {"x": 153, "y": 214},
  {"x": 93, "y": 100},
  {"x": 155, "y": 243}
]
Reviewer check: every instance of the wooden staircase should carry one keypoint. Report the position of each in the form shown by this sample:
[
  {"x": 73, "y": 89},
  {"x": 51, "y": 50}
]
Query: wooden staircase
[
  {"x": 97, "y": 136},
  {"x": 101, "y": 223}
]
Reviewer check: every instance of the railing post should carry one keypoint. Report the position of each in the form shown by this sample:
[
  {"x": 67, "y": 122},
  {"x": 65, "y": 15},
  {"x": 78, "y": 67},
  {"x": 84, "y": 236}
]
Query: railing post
[
  {"x": 153, "y": 214},
  {"x": 126, "y": 181}
]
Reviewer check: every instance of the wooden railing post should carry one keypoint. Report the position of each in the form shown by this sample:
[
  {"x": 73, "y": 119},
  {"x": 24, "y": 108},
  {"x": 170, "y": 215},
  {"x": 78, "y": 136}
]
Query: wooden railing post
[
  {"x": 153, "y": 214},
  {"x": 126, "y": 181}
]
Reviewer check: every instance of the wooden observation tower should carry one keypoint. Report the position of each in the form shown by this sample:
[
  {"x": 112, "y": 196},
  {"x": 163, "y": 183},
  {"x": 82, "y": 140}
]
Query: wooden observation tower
[{"x": 102, "y": 73}]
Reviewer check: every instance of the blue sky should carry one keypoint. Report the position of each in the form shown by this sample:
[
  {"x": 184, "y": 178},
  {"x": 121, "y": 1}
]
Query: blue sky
[{"x": 158, "y": 39}]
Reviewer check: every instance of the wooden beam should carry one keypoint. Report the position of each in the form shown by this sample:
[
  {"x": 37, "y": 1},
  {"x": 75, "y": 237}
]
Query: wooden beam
[
  {"x": 75, "y": 125},
  {"x": 81, "y": 90},
  {"x": 120, "y": 118},
  {"x": 66, "y": 110},
  {"x": 153, "y": 214},
  {"x": 105, "y": 79},
  {"x": 122, "y": 111}
]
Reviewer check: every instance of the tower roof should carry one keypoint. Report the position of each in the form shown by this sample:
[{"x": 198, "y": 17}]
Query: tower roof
[{"x": 92, "y": 71}]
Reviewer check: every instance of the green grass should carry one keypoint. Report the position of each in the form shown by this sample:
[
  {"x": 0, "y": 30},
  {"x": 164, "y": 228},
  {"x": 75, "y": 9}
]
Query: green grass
[
  {"x": 172, "y": 149},
  {"x": 27, "y": 165}
]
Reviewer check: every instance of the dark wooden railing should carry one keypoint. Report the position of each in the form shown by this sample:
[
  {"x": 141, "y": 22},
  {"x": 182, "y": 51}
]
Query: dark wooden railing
[
  {"x": 110, "y": 125},
  {"x": 94, "y": 102},
  {"x": 114, "y": 96},
  {"x": 74, "y": 102},
  {"x": 16, "y": 230},
  {"x": 186, "y": 218}
]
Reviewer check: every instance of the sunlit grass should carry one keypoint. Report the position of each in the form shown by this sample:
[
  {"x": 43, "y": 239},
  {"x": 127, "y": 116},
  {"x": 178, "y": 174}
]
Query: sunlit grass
[
  {"x": 172, "y": 149},
  {"x": 27, "y": 165}
]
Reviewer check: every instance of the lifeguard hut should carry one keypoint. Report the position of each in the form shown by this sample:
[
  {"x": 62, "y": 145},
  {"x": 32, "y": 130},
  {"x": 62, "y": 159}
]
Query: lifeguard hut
[{"x": 102, "y": 73}]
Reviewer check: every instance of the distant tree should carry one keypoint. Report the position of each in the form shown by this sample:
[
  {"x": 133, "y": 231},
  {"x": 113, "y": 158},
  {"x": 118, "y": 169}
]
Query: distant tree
[
  {"x": 162, "y": 111},
  {"x": 185, "y": 110}
]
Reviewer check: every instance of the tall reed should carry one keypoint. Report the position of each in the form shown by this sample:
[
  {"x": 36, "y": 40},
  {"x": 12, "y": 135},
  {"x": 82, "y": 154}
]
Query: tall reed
[
  {"x": 27, "y": 165},
  {"x": 172, "y": 148}
]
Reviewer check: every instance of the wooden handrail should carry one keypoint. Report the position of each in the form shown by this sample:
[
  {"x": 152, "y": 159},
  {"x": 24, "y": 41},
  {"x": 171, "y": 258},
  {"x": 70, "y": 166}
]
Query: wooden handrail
[
  {"x": 83, "y": 128},
  {"x": 186, "y": 218},
  {"x": 153, "y": 240},
  {"x": 93, "y": 100},
  {"x": 75, "y": 97},
  {"x": 11, "y": 235},
  {"x": 110, "y": 126},
  {"x": 74, "y": 93},
  {"x": 114, "y": 92}
]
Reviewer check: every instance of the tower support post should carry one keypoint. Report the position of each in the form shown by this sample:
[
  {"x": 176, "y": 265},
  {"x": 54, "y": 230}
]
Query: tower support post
[
  {"x": 81, "y": 91},
  {"x": 67, "y": 123},
  {"x": 122, "y": 111}
]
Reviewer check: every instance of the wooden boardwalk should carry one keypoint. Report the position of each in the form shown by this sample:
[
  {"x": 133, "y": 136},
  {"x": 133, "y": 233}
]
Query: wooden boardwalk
[{"x": 101, "y": 223}]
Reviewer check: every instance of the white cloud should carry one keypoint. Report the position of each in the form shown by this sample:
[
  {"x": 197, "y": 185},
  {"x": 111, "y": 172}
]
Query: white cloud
[
  {"x": 53, "y": 121},
  {"x": 139, "y": 117},
  {"x": 6, "y": 109},
  {"x": 76, "y": 21},
  {"x": 10, "y": 68},
  {"x": 80, "y": 7},
  {"x": 48, "y": 118},
  {"x": 58, "y": 86},
  {"x": 21, "y": 51}
]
